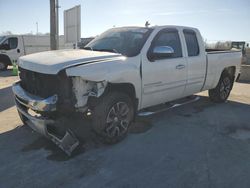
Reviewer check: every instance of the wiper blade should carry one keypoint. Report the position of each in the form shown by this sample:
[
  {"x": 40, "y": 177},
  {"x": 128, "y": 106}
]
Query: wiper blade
[{"x": 88, "y": 48}]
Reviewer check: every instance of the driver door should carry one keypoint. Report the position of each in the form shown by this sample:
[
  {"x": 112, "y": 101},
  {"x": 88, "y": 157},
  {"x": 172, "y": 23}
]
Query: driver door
[
  {"x": 13, "y": 52},
  {"x": 164, "y": 79}
]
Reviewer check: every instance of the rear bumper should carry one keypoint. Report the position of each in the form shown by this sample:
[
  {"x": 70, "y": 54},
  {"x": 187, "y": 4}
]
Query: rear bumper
[{"x": 26, "y": 102}]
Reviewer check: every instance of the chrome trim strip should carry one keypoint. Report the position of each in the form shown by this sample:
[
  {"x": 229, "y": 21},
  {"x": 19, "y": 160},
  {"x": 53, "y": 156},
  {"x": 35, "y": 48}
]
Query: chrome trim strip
[
  {"x": 38, "y": 124},
  {"x": 33, "y": 102}
]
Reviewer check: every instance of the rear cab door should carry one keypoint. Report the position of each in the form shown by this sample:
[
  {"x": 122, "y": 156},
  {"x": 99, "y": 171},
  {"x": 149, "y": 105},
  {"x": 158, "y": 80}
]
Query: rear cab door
[
  {"x": 163, "y": 79},
  {"x": 196, "y": 61}
]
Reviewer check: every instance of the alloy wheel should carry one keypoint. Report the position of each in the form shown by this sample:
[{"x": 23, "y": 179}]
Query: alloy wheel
[{"x": 118, "y": 119}]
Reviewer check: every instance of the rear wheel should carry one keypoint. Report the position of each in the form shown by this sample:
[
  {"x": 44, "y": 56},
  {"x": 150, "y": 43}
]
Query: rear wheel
[
  {"x": 112, "y": 117},
  {"x": 222, "y": 91},
  {"x": 3, "y": 66}
]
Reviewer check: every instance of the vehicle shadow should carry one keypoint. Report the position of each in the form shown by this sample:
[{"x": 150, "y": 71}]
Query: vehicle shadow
[
  {"x": 26, "y": 141},
  {"x": 6, "y": 98},
  {"x": 82, "y": 128},
  {"x": 6, "y": 73},
  {"x": 29, "y": 159}
]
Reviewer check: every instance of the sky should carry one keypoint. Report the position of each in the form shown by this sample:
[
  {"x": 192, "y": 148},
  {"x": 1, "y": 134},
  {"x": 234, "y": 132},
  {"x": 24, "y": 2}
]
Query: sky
[{"x": 216, "y": 19}]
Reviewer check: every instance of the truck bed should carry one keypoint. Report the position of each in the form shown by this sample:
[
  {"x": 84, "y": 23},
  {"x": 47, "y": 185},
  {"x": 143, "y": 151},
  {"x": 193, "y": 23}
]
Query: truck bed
[
  {"x": 217, "y": 60},
  {"x": 212, "y": 51}
]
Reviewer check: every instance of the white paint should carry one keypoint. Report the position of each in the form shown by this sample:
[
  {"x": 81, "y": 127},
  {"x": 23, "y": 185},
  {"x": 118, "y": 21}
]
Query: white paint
[
  {"x": 52, "y": 62},
  {"x": 81, "y": 89}
]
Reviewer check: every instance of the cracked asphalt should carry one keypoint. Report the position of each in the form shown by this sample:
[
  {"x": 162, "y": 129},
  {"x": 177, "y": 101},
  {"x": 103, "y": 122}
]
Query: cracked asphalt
[{"x": 197, "y": 145}]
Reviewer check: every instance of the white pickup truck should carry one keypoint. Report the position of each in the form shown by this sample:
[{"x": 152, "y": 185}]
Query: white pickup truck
[{"x": 121, "y": 73}]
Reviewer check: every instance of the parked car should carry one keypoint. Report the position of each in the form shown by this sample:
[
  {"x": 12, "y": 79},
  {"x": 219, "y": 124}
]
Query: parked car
[
  {"x": 14, "y": 46},
  {"x": 120, "y": 73}
]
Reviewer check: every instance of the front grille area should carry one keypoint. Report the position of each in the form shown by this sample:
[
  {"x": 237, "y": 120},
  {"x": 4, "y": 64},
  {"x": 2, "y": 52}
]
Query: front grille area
[
  {"x": 42, "y": 85},
  {"x": 45, "y": 85}
]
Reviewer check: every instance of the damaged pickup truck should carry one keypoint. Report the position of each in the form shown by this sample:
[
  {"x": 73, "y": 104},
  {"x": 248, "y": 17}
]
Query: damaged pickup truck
[{"x": 121, "y": 73}]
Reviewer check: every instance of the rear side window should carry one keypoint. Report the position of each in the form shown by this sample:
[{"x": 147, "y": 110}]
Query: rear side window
[
  {"x": 170, "y": 38},
  {"x": 192, "y": 43}
]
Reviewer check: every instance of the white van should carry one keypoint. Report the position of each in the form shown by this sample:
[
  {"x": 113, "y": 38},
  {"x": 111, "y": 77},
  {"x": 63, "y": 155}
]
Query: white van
[{"x": 14, "y": 46}]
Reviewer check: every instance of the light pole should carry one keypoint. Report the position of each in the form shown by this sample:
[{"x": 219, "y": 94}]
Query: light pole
[
  {"x": 36, "y": 28},
  {"x": 57, "y": 24},
  {"x": 54, "y": 24}
]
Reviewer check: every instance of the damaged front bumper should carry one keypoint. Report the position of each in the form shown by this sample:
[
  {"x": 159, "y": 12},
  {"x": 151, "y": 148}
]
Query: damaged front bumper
[{"x": 27, "y": 104}]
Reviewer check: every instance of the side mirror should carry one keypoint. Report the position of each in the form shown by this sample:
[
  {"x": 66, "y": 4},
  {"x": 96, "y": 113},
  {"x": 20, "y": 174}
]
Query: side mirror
[
  {"x": 160, "y": 52},
  {"x": 163, "y": 51}
]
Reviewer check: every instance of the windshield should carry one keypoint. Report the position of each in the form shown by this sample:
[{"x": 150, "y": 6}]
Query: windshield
[
  {"x": 126, "y": 41},
  {"x": 238, "y": 45}
]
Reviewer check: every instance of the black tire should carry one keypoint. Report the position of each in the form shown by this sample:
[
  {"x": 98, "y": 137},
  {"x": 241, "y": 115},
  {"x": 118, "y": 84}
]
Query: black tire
[
  {"x": 238, "y": 78},
  {"x": 112, "y": 116},
  {"x": 3, "y": 66},
  {"x": 222, "y": 91}
]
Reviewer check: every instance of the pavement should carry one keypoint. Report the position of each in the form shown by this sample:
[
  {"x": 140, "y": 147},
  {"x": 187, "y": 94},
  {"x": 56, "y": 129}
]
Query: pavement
[{"x": 202, "y": 144}]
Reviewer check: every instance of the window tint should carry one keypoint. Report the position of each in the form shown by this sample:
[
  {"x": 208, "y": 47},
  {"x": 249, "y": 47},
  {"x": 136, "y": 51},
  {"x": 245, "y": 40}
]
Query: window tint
[
  {"x": 13, "y": 43},
  {"x": 170, "y": 38},
  {"x": 192, "y": 43},
  {"x": 127, "y": 41}
]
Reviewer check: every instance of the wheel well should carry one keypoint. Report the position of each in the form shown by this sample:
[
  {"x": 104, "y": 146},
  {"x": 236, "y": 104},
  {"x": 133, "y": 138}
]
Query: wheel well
[
  {"x": 5, "y": 59},
  {"x": 126, "y": 88},
  {"x": 230, "y": 70}
]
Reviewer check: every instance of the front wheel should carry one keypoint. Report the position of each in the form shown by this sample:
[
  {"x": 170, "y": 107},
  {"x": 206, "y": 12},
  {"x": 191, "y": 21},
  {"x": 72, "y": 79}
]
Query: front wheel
[
  {"x": 112, "y": 116},
  {"x": 222, "y": 91}
]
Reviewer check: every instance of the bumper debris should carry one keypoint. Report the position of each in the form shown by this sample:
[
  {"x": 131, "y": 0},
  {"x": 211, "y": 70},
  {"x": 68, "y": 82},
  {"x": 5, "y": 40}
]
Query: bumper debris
[{"x": 25, "y": 102}]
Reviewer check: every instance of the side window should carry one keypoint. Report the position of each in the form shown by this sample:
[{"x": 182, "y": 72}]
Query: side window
[
  {"x": 169, "y": 38},
  {"x": 192, "y": 43},
  {"x": 10, "y": 43},
  {"x": 13, "y": 42}
]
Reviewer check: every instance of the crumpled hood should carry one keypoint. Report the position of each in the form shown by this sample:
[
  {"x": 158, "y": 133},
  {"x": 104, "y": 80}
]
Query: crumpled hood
[{"x": 51, "y": 62}]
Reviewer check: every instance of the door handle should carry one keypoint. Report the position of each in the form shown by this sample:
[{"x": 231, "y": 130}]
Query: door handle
[
  {"x": 18, "y": 50},
  {"x": 180, "y": 67}
]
